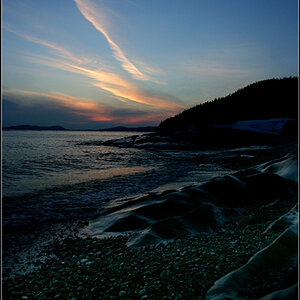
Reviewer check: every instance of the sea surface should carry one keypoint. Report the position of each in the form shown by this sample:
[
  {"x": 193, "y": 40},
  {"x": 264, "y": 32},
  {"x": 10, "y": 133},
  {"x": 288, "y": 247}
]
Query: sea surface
[{"x": 50, "y": 176}]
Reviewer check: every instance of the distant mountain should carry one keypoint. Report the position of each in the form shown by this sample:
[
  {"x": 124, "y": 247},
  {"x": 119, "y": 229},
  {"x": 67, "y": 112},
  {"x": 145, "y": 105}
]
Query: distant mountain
[
  {"x": 137, "y": 129},
  {"x": 30, "y": 127},
  {"x": 267, "y": 99}
]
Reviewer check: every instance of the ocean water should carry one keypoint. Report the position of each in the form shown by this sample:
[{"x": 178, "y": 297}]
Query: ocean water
[{"x": 49, "y": 176}]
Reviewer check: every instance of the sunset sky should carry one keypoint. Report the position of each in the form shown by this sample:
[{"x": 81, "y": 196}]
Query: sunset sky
[{"x": 102, "y": 63}]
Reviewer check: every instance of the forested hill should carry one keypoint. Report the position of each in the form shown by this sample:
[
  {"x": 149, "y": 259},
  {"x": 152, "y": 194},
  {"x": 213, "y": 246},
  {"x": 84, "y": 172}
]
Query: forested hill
[{"x": 267, "y": 99}]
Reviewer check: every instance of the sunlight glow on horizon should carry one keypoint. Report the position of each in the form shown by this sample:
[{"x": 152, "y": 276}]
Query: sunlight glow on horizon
[
  {"x": 111, "y": 63},
  {"x": 78, "y": 106},
  {"x": 113, "y": 83}
]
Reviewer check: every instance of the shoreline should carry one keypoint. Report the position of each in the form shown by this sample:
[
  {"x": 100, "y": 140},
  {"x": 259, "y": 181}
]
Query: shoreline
[
  {"x": 88, "y": 268},
  {"x": 64, "y": 236}
]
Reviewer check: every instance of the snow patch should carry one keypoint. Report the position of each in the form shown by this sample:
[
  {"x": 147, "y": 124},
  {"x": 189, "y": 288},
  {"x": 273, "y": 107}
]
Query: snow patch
[{"x": 271, "y": 126}]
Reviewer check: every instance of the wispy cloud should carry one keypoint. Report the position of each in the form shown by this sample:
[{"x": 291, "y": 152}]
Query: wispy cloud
[
  {"x": 91, "y": 13},
  {"x": 153, "y": 106},
  {"x": 121, "y": 88},
  {"x": 58, "y": 50},
  {"x": 80, "y": 106},
  {"x": 148, "y": 69},
  {"x": 124, "y": 89},
  {"x": 114, "y": 84}
]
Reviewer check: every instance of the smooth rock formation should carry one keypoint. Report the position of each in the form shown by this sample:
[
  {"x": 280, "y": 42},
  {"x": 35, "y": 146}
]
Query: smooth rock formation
[
  {"x": 290, "y": 293},
  {"x": 281, "y": 253},
  {"x": 197, "y": 209},
  {"x": 151, "y": 142},
  {"x": 270, "y": 126},
  {"x": 286, "y": 167}
]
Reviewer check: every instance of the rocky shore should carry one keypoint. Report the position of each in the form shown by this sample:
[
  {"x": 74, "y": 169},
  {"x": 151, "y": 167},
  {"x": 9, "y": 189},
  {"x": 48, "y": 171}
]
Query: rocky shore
[
  {"x": 206, "y": 265},
  {"x": 87, "y": 268}
]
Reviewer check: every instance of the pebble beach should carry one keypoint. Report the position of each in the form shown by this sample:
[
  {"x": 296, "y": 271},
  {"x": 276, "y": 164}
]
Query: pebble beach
[
  {"x": 89, "y": 268},
  {"x": 74, "y": 265}
]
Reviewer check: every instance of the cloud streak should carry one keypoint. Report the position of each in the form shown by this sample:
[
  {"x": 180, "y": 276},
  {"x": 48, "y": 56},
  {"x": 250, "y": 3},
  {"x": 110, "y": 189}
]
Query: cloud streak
[
  {"x": 93, "y": 16},
  {"x": 80, "y": 106},
  {"x": 124, "y": 89},
  {"x": 58, "y": 50},
  {"x": 151, "y": 106},
  {"x": 116, "y": 85},
  {"x": 121, "y": 88}
]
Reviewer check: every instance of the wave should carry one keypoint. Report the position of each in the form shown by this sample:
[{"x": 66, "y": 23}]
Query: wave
[{"x": 85, "y": 198}]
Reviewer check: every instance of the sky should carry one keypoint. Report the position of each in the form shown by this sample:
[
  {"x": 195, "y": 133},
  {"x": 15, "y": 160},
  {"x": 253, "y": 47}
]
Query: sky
[{"x": 93, "y": 64}]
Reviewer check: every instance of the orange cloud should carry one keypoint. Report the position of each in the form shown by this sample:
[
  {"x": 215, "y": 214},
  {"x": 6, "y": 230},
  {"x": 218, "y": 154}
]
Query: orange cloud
[
  {"x": 154, "y": 118},
  {"x": 122, "y": 89},
  {"x": 133, "y": 93},
  {"x": 81, "y": 106},
  {"x": 78, "y": 105},
  {"x": 96, "y": 117}
]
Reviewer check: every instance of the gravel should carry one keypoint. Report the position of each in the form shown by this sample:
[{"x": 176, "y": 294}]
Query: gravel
[
  {"x": 88, "y": 268},
  {"x": 65, "y": 265}
]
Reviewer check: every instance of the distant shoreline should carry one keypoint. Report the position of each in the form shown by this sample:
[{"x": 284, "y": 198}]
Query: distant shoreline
[
  {"x": 60, "y": 128},
  {"x": 64, "y": 252},
  {"x": 31, "y": 127}
]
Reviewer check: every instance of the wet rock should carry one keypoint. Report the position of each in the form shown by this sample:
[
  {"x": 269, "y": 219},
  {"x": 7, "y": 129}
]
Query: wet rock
[
  {"x": 282, "y": 252},
  {"x": 143, "y": 291},
  {"x": 122, "y": 293}
]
